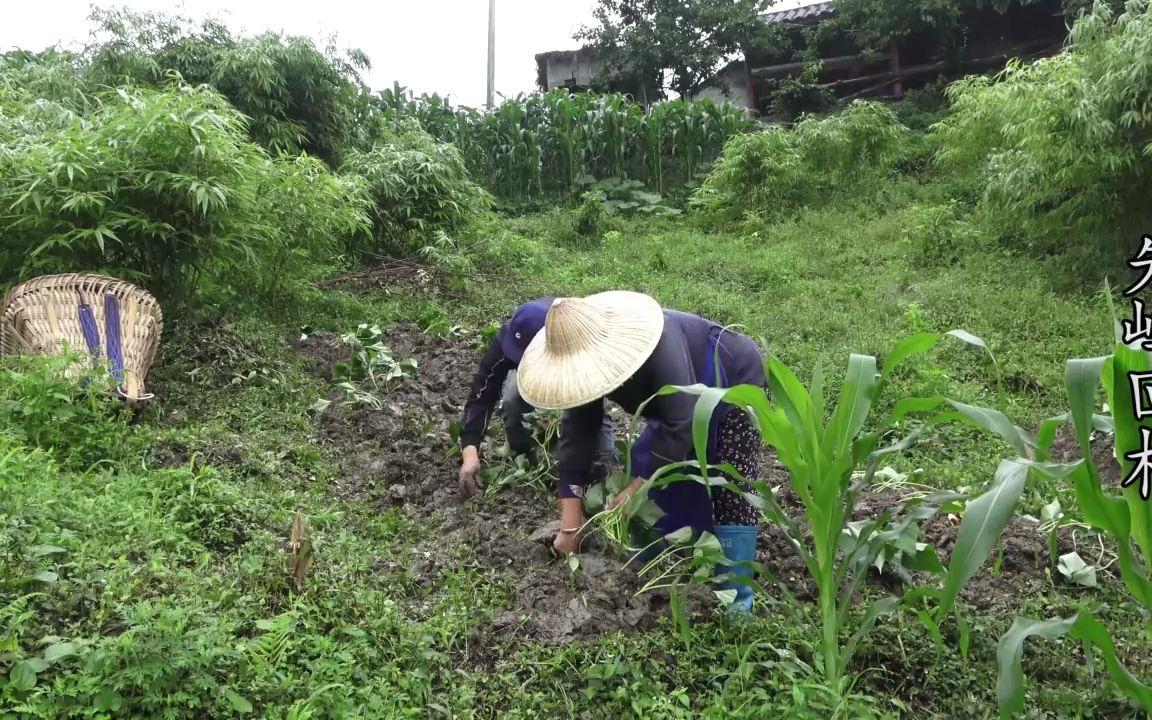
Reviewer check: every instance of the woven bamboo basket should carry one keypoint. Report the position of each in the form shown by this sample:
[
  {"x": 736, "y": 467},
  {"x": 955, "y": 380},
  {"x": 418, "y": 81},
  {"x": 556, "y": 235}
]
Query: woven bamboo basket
[{"x": 79, "y": 312}]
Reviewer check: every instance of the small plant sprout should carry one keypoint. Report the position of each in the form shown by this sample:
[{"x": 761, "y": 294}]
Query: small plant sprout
[{"x": 371, "y": 360}]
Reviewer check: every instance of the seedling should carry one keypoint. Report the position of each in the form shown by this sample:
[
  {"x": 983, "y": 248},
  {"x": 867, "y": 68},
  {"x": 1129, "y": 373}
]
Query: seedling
[{"x": 371, "y": 359}]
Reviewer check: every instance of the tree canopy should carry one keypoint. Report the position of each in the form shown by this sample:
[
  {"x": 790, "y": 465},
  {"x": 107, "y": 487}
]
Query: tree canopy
[{"x": 674, "y": 45}]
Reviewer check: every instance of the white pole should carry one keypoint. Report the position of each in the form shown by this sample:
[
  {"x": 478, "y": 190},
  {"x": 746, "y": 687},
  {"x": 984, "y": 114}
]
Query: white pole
[{"x": 491, "y": 53}]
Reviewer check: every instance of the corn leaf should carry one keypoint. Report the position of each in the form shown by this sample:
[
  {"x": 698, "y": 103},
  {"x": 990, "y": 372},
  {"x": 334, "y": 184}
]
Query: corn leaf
[
  {"x": 984, "y": 521},
  {"x": 998, "y": 423},
  {"x": 1128, "y": 363},
  {"x": 909, "y": 346},
  {"x": 856, "y": 398},
  {"x": 1082, "y": 626},
  {"x": 1010, "y": 681}
]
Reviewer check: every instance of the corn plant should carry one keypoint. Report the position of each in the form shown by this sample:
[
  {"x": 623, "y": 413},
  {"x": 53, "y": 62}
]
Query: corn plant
[
  {"x": 1125, "y": 516},
  {"x": 823, "y": 459},
  {"x": 548, "y": 144}
]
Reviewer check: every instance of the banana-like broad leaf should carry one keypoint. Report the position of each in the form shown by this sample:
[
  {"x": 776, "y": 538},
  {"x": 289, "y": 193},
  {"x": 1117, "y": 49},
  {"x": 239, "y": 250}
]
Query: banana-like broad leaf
[{"x": 984, "y": 521}]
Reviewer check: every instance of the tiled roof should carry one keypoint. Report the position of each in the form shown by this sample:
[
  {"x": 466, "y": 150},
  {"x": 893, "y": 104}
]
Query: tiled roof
[{"x": 804, "y": 12}]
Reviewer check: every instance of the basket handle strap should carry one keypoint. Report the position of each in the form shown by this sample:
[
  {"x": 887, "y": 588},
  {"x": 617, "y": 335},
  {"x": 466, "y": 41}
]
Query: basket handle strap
[
  {"x": 91, "y": 332},
  {"x": 112, "y": 329}
]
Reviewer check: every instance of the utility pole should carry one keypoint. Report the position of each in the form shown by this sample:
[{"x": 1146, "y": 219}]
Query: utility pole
[{"x": 491, "y": 53}]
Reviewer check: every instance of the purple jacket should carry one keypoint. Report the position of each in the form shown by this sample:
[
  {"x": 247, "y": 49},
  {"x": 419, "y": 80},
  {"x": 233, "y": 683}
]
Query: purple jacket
[{"x": 683, "y": 356}]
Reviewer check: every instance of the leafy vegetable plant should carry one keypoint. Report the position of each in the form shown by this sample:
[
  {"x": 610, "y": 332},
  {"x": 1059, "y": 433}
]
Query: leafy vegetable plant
[{"x": 371, "y": 358}]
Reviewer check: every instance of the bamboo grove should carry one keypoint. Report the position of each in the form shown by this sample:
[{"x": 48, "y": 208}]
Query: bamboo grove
[{"x": 550, "y": 144}]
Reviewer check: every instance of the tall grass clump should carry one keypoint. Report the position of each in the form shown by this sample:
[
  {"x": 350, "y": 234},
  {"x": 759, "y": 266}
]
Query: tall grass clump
[{"x": 1060, "y": 146}]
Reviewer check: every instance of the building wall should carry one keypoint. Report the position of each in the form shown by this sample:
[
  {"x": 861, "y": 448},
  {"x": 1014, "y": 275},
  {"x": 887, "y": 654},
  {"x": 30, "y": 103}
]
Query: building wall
[
  {"x": 561, "y": 70},
  {"x": 737, "y": 89}
]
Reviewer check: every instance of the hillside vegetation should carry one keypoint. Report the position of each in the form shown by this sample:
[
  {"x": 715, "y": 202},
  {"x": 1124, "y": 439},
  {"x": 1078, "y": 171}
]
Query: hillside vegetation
[{"x": 278, "y": 533}]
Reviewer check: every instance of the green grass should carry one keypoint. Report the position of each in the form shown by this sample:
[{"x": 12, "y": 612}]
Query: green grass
[{"x": 171, "y": 585}]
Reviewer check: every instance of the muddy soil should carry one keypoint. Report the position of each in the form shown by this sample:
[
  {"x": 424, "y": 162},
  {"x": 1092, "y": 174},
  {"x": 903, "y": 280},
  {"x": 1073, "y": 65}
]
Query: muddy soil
[
  {"x": 401, "y": 456},
  {"x": 1066, "y": 448},
  {"x": 172, "y": 454},
  {"x": 1021, "y": 566}
]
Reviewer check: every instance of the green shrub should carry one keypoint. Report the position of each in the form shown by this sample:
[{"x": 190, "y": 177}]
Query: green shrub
[
  {"x": 923, "y": 108},
  {"x": 74, "y": 419},
  {"x": 148, "y": 187},
  {"x": 162, "y": 188},
  {"x": 418, "y": 186},
  {"x": 92, "y": 622},
  {"x": 1060, "y": 146},
  {"x": 305, "y": 217},
  {"x": 792, "y": 98},
  {"x": 779, "y": 169},
  {"x": 865, "y": 138},
  {"x": 757, "y": 171},
  {"x": 938, "y": 237},
  {"x": 296, "y": 98}
]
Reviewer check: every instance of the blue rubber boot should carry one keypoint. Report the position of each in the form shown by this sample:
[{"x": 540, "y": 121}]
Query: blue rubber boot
[{"x": 739, "y": 543}]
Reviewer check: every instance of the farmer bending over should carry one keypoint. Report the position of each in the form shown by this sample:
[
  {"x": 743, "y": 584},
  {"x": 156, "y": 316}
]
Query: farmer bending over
[
  {"x": 622, "y": 346},
  {"x": 496, "y": 380}
]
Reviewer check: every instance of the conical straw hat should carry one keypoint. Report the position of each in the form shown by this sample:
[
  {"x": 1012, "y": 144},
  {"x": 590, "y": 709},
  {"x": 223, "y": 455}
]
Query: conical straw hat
[{"x": 588, "y": 348}]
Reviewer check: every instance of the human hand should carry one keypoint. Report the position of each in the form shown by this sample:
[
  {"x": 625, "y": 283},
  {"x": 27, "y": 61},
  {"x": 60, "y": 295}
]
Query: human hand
[
  {"x": 566, "y": 542},
  {"x": 626, "y": 494},
  {"x": 567, "y": 539},
  {"x": 469, "y": 471}
]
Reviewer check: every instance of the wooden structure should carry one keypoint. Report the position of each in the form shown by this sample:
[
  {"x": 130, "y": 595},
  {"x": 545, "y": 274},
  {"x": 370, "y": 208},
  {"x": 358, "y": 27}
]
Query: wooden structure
[{"x": 992, "y": 39}]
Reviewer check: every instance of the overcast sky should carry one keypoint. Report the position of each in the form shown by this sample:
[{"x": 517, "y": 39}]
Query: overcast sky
[{"x": 426, "y": 45}]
